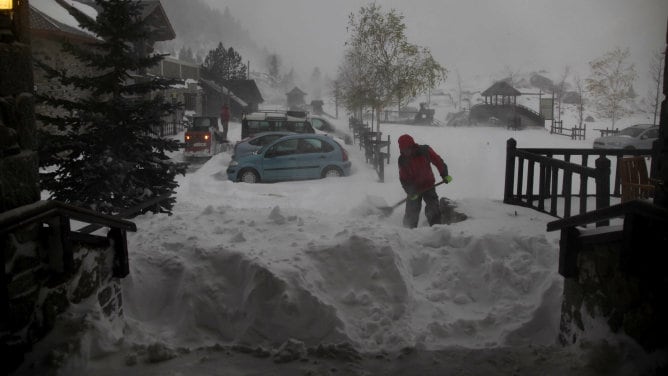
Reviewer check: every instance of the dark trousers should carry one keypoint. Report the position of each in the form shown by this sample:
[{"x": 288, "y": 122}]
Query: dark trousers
[
  {"x": 225, "y": 126},
  {"x": 431, "y": 209}
]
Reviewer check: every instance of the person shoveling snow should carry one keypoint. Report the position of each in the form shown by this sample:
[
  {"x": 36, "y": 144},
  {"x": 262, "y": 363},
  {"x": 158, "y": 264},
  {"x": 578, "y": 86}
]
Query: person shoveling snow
[{"x": 418, "y": 180}]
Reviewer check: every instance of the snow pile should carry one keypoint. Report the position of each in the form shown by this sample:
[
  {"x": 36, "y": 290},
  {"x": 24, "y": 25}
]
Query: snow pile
[
  {"x": 260, "y": 264},
  {"x": 266, "y": 264}
]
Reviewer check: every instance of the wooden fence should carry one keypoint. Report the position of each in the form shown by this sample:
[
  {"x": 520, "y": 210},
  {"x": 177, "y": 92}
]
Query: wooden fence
[
  {"x": 543, "y": 179},
  {"x": 168, "y": 128},
  {"x": 376, "y": 150},
  {"x": 607, "y": 132},
  {"x": 575, "y": 133}
]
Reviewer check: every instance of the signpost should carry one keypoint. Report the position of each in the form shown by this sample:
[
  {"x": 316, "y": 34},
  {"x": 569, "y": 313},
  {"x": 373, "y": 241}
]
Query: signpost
[{"x": 547, "y": 108}]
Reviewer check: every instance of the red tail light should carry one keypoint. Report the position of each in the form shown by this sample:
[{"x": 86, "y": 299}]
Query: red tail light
[
  {"x": 187, "y": 137},
  {"x": 206, "y": 136},
  {"x": 345, "y": 154}
]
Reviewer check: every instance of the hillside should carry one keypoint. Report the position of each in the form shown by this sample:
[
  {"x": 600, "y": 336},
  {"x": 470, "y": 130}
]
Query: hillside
[{"x": 212, "y": 27}]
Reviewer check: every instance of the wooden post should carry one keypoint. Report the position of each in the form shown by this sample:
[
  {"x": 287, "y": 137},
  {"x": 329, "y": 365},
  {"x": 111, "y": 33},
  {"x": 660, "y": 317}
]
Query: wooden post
[
  {"x": 568, "y": 252},
  {"x": 602, "y": 186},
  {"x": 118, "y": 237},
  {"x": 511, "y": 145}
]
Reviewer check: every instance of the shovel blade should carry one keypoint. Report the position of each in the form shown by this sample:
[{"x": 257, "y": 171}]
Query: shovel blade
[{"x": 386, "y": 211}]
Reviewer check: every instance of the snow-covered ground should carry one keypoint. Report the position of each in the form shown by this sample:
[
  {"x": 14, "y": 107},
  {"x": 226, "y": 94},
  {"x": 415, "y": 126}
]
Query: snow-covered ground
[{"x": 313, "y": 261}]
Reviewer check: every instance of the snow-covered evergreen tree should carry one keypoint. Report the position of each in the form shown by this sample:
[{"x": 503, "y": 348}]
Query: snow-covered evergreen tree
[
  {"x": 223, "y": 64},
  {"x": 105, "y": 154}
]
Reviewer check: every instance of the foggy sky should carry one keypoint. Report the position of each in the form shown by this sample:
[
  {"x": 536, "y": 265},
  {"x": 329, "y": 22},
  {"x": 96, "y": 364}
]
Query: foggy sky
[{"x": 472, "y": 37}]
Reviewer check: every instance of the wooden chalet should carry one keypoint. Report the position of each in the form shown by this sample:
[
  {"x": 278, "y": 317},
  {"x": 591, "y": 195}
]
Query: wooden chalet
[{"x": 295, "y": 98}]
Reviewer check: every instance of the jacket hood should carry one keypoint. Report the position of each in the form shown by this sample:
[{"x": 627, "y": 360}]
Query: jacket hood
[{"x": 406, "y": 142}]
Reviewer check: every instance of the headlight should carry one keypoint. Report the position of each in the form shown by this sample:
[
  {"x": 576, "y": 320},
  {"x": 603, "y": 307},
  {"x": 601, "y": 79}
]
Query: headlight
[{"x": 234, "y": 164}]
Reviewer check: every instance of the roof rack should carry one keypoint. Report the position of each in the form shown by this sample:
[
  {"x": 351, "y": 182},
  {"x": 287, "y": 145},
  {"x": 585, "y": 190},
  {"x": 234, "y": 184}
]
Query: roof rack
[{"x": 278, "y": 114}]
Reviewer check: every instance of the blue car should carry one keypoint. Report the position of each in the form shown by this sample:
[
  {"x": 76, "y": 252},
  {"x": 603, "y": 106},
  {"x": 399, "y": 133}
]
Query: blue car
[
  {"x": 255, "y": 143},
  {"x": 294, "y": 157}
]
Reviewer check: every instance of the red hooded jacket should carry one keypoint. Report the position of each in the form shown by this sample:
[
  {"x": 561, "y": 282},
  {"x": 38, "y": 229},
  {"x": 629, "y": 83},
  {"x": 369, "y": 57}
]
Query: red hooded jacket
[
  {"x": 415, "y": 172},
  {"x": 225, "y": 113}
]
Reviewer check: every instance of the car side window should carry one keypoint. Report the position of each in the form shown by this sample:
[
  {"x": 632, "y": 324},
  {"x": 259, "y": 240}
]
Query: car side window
[
  {"x": 313, "y": 145},
  {"x": 652, "y": 133},
  {"x": 283, "y": 148},
  {"x": 257, "y": 126},
  {"x": 309, "y": 145}
]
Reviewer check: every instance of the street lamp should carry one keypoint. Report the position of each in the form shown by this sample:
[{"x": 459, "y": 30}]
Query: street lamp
[
  {"x": 6, "y": 5},
  {"x": 6, "y": 8}
]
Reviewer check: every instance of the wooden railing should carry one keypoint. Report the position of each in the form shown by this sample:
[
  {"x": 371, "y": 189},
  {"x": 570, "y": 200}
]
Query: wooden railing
[
  {"x": 543, "y": 179},
  {"x": 575, "y": 133},
  {"x": 130, "y": 212},
  {"x": 372, "y": 144},
  {"x": 607, "y": 132},
  {"x": 57, "y": 216}
]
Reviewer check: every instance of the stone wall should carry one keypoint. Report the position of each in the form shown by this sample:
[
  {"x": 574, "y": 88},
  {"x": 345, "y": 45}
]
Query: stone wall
[
  {"x": 626, "y": 295},
  {"x": 39, "y": 290}
]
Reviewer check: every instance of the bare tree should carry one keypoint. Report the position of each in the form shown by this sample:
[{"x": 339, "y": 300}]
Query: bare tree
[
  {"x": 561, "y": 89},
  {"x": 459, "y": 91},
  {"x": 335, "y": 91},
  {"x": 611, "y": 84},
  {"x": 380, "y": 65},
  {"x": 579, "y": 86},
  {"x": 274, "y": 69},
  {"x": 656, "y": 74}
]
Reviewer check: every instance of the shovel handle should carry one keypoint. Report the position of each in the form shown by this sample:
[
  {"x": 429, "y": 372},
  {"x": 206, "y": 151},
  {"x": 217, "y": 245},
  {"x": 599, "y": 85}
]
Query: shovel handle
[{"x": 419, "y": 193}]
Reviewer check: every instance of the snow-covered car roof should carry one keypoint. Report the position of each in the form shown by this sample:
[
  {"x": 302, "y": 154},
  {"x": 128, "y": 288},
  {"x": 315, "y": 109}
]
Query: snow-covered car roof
[{"x": 277, "y": 115}]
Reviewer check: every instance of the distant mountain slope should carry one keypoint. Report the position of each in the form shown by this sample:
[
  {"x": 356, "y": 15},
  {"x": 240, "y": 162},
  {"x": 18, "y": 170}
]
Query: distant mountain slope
[{"x": 201, "y": 27}]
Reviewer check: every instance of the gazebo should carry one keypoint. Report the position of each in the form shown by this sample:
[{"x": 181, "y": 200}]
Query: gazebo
[{"x": 501, "y": 93}]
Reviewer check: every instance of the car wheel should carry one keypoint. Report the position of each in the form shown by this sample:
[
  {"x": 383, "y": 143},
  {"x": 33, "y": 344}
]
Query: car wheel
[
  {"x": 332, "y": 172},
  {"x": 249, "y": 176}
]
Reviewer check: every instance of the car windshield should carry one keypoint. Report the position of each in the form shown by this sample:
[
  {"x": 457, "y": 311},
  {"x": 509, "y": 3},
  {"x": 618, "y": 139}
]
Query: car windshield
[{"x": 633, "y": 132}]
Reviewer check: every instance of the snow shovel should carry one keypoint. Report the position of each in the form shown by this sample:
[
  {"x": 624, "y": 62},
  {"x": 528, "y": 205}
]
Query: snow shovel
[{"x": 386, "y": 211}]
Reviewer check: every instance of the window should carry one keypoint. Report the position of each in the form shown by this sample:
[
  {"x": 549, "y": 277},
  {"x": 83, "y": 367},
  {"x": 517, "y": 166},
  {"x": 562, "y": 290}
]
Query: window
[
  {"x": 257, "y": 126},
  {"x": 265, "y": 140},
  {"x": 312, "y": 145},
  {"x": 283, "y": 148},
  {"x": 309, "y": 146},
  {"x": 652, "y": 133},
  {"x": 190, "y": 101}
]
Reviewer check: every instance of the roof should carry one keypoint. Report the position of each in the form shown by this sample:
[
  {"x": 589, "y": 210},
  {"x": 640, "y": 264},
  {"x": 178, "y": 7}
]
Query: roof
[
  {"x": 155, "y": 15},
  {"x": 58, "y": 10},
  {"x": 501, "y": 88},
  {"x": 51, "y": 19},
  {"x": 295, "y": 91},
  {"x": 246, "y": 90},
  {"x": 223, "y": 90}
]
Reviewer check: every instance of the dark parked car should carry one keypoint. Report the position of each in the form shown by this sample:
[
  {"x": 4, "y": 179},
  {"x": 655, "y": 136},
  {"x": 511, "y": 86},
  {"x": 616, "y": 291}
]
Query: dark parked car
[
  {"x": 639, "y": 136},
  {"x": 294, "y": 157},
  {"x": 275, "y": 121},
  {"x": 255, "y": 143},
  {"x": 203, "y": 138}
]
